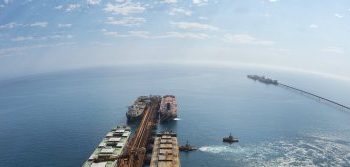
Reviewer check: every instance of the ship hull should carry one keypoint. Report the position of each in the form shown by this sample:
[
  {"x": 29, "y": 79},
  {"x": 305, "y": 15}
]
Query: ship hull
[
  {"x": 135, "y": 111},
  {"x": 167, "y": 117},
  {"x": 110, "y": 148},
  {"x": 133, "y": 118},
  {"x": 168, "y": 108}
]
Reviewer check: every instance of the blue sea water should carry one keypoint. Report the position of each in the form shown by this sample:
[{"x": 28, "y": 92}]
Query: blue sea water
[{"x": 57, "y": 119}]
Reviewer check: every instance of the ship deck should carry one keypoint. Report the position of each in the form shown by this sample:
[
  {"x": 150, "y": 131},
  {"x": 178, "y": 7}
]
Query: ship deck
[
  {"x": 165, "y": 151},
  {"x": 110, "y": 148}
]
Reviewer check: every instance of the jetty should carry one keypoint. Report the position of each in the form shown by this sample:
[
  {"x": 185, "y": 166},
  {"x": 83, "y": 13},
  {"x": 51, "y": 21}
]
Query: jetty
[
  {"x": 143, "y": 148},
  {"x": 135, "y": 153},
  {"x": 319, "y": 98}
]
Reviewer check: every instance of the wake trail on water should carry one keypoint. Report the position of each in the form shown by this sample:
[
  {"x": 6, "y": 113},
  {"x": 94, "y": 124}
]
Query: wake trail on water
[
  {"x": 220, "y": 149},
  {"x": 306, "y": 151}
]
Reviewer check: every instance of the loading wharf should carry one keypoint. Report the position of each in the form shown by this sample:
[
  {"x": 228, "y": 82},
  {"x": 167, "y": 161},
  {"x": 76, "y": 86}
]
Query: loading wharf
[
  {"x": 135, "y": 153},
  {"x": 144, "y": 148}
]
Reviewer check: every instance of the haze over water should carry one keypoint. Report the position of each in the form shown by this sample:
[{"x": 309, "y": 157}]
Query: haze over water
[{"x": 57, "y": 119}]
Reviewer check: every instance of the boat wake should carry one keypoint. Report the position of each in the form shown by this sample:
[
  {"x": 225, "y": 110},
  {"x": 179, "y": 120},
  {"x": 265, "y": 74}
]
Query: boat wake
[
  {"x": 306, "y": 151},
  {"x": 220, "y": 149}
]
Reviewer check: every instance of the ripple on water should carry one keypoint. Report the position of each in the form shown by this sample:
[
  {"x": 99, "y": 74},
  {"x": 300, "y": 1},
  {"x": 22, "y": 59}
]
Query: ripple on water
[{"x": 306, "y": 151}]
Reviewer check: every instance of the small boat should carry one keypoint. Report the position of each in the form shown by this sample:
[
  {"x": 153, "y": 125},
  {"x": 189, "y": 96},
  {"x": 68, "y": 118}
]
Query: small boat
[
  {"x": 230, "y": 139},
  {"x": 187, "y": 148}
]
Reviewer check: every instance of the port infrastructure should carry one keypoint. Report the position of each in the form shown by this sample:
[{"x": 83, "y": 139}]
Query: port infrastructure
[
  {"x": 317, "y": 97},
  {"x": 320, "y": 99},
  {"x": 135, "y": 153}
]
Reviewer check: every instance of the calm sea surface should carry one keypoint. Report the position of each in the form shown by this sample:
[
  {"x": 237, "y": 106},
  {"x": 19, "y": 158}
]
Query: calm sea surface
[{"x": 57, "y": 119}]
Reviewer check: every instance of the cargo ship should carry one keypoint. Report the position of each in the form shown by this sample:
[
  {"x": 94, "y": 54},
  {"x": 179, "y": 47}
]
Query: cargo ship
[
  {"x": 136, "y": 110},
  {"x": 263, "y": 79},
  {"x": 110, "y": 148},
  {"x": 168, "y": 108},
  {"x": 165, "y": 150}
]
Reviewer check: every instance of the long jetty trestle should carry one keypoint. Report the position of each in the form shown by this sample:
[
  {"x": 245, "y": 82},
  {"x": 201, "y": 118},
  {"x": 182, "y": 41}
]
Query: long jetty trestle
[
  {"x": 135, "y": 153},
  {"x": 327, "y": 101},
  {"x": 317, "y": 97}
]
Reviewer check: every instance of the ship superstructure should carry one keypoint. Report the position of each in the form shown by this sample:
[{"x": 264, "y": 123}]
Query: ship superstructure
[
  {"x": 168, "y": 108},
  {"x": 110, "y": 148},
  {"x": 136, "y": 110}
]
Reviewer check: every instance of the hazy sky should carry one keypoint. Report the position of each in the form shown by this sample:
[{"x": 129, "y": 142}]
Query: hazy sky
[{"x": 303, "y": 35}]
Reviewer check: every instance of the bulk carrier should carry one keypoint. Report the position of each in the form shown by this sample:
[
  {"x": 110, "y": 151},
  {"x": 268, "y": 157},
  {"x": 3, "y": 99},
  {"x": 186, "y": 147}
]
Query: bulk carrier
[
  {"x": 110, "y": 148},
  {"x": 136, "y": 110},
  {"x": 165, "y": 150},
  {"x": 168, "y": 108}
]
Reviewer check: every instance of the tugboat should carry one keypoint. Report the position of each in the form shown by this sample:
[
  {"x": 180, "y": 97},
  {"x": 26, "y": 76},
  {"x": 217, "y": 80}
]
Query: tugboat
[
  {"x": 187, "y": 148},
  {"x": 230, "y": 139}
]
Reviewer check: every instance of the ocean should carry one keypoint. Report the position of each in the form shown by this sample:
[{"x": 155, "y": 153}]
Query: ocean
[{"x": 57, "y": 119}]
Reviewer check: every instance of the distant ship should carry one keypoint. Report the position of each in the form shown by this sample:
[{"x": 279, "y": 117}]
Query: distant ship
[
  {"x": 168, "y": 108},
  {"x": 136, "y": 110},
  {"x": 263, "y": 79}
]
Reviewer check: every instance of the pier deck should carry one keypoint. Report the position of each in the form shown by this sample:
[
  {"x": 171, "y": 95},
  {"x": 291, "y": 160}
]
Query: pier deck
[{"x": 135, "y": 153}]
